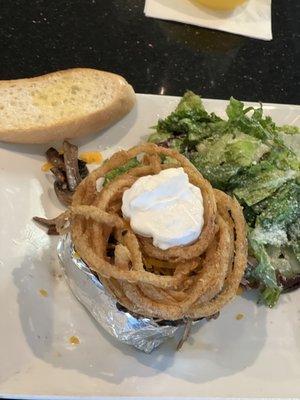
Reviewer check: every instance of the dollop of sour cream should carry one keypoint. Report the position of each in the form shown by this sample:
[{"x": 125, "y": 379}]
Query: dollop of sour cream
[{"x": 166, "y": 207}]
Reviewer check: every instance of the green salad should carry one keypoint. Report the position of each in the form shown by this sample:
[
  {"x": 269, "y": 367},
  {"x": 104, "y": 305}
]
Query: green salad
[{"x": 246, "y": 156}]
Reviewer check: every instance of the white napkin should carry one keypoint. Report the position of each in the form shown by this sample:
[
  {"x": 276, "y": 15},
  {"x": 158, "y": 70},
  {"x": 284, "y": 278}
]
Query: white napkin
[{"x": 251, "y": 19}]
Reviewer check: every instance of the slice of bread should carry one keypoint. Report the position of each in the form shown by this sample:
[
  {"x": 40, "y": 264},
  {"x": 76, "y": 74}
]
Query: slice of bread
[{"x": 62, "y": 105}]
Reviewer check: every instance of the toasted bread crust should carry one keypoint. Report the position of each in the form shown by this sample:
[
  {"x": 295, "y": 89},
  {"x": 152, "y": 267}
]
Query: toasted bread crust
[{"x": 123, "y": 99}]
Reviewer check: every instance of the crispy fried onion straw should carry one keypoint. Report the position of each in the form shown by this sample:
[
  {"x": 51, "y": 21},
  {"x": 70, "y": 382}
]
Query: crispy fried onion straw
[{"x": 183, "y": 282}]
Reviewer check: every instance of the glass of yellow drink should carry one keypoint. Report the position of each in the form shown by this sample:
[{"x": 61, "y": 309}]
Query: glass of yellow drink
[{"x": 220, "y": 4}]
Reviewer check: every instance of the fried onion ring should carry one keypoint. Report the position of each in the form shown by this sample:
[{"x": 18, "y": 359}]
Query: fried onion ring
[{"x": 182, "y": 282}]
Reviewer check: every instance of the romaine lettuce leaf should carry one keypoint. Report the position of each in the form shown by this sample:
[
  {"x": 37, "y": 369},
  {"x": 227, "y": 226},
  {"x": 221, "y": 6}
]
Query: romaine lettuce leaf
[
  {"x": 264, "y": 273},
  {"x": 269, "y": 296},
  {"x": 260, "y": 182},
  {"x": 220, "y": 159},
  {"x": 283, "y": 158},
  {"x": 294, "y": 235},
  {"x": 244, "y": 150},
  {"x": 190, "y": 102},
  {"x": 219, "y": 175},
  {"x": 190, "y": 119},
  {"x": 159, "y": 137},
  {"x": 282, "y": 209},
  {"x": 252, "y": 125}
]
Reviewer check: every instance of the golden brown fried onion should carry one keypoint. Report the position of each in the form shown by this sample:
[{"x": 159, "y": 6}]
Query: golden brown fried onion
[{"x": 191, "y": 281}]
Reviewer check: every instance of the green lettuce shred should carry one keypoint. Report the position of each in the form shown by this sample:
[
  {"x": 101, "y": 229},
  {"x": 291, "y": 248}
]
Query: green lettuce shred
[{"x": 110, "y": 176}]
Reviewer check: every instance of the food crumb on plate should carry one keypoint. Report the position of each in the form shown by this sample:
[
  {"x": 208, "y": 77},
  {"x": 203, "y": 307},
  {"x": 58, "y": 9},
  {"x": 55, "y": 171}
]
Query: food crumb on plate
[
  {"x": 74, "y": 340},
  {"x": 240, "y": 291},
  {"x": 91, "y": 157},
  {"x": 239, "y": 316},
  {"x": 47, "y": 166},
  {"x": 76, "y": 255},
  {"x": 43, "y": 292}
]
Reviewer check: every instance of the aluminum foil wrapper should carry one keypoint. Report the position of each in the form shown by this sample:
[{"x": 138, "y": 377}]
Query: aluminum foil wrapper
[{"x": 143, "y": 333}]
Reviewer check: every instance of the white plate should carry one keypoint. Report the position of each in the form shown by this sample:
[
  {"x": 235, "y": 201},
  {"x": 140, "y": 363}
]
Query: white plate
[{"x": 258, "y": 356}]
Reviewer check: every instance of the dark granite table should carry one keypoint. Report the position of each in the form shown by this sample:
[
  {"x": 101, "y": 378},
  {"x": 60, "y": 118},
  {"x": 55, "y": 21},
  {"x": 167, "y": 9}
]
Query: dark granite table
[{"x": 155, "y": 56}]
